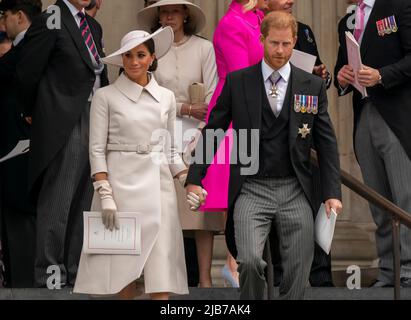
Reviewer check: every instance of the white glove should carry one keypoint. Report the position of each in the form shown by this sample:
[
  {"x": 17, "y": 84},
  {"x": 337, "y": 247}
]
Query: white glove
[
  {"x": 108, "y": 206},
  {"x": 182, "y": 179},
  {"x": 194, "y": 200}
]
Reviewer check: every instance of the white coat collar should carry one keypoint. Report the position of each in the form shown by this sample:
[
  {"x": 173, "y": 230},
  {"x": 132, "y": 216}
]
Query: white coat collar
[{"x": 133, "y": 90}]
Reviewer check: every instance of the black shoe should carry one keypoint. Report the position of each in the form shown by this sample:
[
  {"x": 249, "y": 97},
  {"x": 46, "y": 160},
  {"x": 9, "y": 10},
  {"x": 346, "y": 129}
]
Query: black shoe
[{"x": 406, "y": 282}]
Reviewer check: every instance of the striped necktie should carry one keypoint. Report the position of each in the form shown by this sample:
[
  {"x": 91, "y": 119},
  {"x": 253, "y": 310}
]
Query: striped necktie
[{"x": 88, "y": 38}]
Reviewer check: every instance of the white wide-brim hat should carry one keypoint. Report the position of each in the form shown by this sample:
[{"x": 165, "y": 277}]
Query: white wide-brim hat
[
  {"x": 147, "y": 18},
  {"x": 163, "y": 39}
]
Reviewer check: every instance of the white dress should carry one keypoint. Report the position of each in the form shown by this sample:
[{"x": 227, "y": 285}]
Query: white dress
[
  {"x": 185, "y": 64},
  {"x": 127, "y": 114}
]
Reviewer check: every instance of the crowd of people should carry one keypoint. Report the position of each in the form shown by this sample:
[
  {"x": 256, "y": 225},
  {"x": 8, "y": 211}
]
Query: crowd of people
[{"x": 92, "y": 147}]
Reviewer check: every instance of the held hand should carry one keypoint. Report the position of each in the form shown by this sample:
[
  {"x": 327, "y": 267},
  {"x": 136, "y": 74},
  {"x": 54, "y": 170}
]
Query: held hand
[
  {"x": 108, "y": 206},
  {"x": 195, "y": 196},
  {"x": 346, "y": 76},
  {"x": 334, "y": 204},
  {"x": 199, "y": 111},
  {"x": 321, "y": 71},
  {"x": 368, "y": 77}
]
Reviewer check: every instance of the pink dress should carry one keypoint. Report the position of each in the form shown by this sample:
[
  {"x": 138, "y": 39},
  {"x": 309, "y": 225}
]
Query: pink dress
[{"x": 237, "y": 46}]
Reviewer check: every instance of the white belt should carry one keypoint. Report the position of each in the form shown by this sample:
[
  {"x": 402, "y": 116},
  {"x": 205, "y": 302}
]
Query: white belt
[{"x": 138, "y": 148}]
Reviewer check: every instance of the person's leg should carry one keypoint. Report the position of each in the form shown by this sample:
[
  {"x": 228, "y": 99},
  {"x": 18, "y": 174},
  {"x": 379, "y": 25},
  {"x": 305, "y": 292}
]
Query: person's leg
[
  {"x": 204, "y": 245},
  {"x": 295, "y": 228},
  {"x": 190, "y": 255},
  {"x": 160, "y": 296},
  {"x": 374, "y": 175},
  {"x": 398, "y": 167},
  {"x": 74, "y": 241},
  {"x": 54, "y": 204},
  {"x": 252, "y": 224}
]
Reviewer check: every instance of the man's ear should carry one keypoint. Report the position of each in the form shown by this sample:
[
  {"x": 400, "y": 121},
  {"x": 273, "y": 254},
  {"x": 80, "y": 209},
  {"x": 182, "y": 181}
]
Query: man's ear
[
  {"x": 262, "y": 38},
  {"x": 295, "y": 41}
]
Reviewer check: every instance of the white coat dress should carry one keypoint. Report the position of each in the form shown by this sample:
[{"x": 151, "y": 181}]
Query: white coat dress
[{"x": 125, "y": 113}]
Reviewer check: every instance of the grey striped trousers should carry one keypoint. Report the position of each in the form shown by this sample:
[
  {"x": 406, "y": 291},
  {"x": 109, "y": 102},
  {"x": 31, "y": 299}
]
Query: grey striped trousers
[
  {"x": 282, "y": 204},
  {"x": 65, "y": 193},
  {"x": 387, "y": 169}
]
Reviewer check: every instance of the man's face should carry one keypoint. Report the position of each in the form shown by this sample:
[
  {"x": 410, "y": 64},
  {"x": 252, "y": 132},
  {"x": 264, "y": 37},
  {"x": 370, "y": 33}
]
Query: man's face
[
  {"x": 11, "y": 21},
  {"x": 278, "y": 47},
  {"x": 80, "y": 4},
  {"x": 280, "y": 5}
]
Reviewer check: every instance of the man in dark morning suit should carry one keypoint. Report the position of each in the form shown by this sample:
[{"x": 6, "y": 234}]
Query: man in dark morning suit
[
  {"x": 381, "y": 121},
  {"x": 59, "y": 71},
  {"x": 17, "y": 213},
  {"x": 320, "y": 275},
  {"x": 271, "y": 98}
]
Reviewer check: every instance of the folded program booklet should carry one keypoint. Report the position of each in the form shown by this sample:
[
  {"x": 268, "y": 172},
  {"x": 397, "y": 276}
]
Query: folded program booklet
[
  {"x": 324, "y": 228},
  {"x": 99, "y": 240}
]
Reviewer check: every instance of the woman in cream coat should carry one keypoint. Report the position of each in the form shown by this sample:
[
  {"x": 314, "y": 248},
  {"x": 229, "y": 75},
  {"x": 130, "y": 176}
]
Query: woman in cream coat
[
  {"x": 134, "y": 172},
  {"x": 190, "y": 60}
]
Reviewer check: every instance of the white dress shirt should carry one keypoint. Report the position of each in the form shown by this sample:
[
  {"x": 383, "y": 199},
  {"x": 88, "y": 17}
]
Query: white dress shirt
[
  {"x": 19, "y": 37},
  {"x": 282, "y": 85}
]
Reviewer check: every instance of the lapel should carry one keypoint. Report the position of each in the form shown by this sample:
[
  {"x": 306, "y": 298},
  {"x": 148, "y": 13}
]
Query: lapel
[
  {"x": 253, "y": 85},
  {"x": 370, "y": 28},
  {"x": 299, "y": 84},
  {"x": 74, "y": 31}
]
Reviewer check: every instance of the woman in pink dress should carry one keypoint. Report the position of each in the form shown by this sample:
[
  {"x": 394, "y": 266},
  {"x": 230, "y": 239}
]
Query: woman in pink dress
[{"x": 237, "y": 46}]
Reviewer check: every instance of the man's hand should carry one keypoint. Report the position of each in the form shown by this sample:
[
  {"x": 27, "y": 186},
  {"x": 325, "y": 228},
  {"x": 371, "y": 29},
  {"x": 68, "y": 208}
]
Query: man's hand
[
  {"x": 195, "y": 196},
  {"x": 321, "y": 71},
  {"x": 345, "y": 76},
  {"x": 334, "y": 204},
  {"x": 368, "y": 77},
  {"x": 28, "y": 120}
]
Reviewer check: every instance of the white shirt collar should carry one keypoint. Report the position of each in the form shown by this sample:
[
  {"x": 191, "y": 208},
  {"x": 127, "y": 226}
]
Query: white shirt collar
[
  {"x": 74, "y": 11},
  {"x": 369, "y": 3},
  {"x": 133, "y": 90},
  {"x": 19, "y": 37},
  {"x": 284, "y": 71}
]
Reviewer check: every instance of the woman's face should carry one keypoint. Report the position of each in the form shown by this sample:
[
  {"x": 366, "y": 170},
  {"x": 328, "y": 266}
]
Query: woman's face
[
  {"x": 262, "y": 4},
  {"x": 173, "y": 16},
  {"x": 136, "y": 63}
]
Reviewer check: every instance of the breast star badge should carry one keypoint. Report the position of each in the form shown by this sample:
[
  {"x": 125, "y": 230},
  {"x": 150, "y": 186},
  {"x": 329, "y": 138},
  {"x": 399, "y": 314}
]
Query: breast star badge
[{"x": 304, "y": 131}]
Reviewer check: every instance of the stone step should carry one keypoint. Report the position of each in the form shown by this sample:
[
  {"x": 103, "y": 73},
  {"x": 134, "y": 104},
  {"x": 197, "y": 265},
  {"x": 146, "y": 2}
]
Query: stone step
[{"x": 214, "y": 294}]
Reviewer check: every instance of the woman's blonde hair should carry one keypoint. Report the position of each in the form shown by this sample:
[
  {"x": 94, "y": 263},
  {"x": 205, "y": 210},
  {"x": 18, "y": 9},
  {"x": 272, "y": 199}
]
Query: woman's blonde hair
[{"x": 250, "y": 5}]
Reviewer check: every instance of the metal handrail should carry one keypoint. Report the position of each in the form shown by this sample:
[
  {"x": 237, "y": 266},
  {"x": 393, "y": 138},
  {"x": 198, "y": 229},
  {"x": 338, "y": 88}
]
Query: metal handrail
[{"x": 398, "y": 215}]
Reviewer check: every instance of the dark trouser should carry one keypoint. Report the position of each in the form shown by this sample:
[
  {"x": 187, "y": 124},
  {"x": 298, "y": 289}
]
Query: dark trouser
[
  {"x": 18, "y": 243},
  {"x": 387, "y": 169},
  {"x": 277, "y": 203},
  {"x": 65, "y": 194}
]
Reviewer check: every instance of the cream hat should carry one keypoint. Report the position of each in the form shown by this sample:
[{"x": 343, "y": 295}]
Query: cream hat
[
  {"x": 163, "y": 39},
  {"x": 147, "y": 18}
]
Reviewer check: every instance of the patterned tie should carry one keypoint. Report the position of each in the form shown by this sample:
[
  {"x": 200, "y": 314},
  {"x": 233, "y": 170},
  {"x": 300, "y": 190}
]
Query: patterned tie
[
  {"x": 274, "y": 80},
  {"x": 88, "y": 38},
  {"x": 359, "y": 20}
]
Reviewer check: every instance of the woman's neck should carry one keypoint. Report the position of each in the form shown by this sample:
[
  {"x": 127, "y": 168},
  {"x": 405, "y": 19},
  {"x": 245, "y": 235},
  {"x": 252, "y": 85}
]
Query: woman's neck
[
  {"x": 142, "y": 81},
  {"x": 178, "y": 36}
]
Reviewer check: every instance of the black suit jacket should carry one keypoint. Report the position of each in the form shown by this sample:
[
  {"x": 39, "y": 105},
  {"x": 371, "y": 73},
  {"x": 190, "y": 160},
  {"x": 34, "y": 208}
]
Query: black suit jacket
[
  {"x": 13, "y": 128},
  {"x": 306, "y": 41},
  {"x": 391, "y": 55},
  {"x": 241, "y": 103},
  {"x": 55, "y": 78}
]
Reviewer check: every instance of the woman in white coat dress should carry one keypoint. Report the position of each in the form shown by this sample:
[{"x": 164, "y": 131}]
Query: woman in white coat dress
[{"x": 133, "y": 172}]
